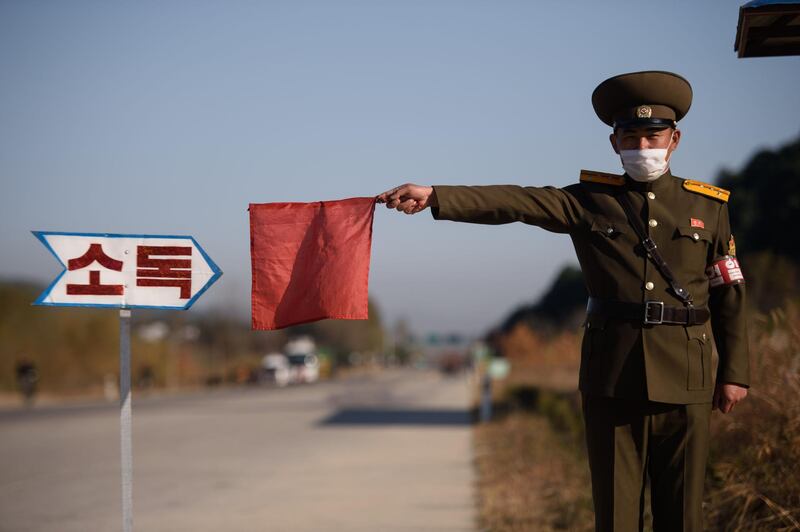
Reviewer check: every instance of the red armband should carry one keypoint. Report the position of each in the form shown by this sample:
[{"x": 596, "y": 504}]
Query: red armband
[{"x": 725, "y": 271}]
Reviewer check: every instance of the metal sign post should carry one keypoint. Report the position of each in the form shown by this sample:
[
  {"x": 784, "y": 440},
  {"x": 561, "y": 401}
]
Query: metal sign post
[
  {"x": 126, "y": 272},
  {"x": 496, "y": 369},
  {"x": 486, "y": 398},
  {"x": 125, "y": 431}
]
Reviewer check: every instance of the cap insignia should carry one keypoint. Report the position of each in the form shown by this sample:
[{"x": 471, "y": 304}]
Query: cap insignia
[{"x": 644, "y": 111}]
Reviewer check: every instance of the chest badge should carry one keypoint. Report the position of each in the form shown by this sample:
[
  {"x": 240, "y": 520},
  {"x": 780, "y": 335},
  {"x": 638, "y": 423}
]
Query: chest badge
[{"x": 697, "y": 222}]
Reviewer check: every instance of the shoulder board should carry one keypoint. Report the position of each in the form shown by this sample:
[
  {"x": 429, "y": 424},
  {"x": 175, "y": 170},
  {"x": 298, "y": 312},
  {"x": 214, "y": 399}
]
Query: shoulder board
[
  {"x": 589, "y": 176},
  {"x": 706, "y": 190}
]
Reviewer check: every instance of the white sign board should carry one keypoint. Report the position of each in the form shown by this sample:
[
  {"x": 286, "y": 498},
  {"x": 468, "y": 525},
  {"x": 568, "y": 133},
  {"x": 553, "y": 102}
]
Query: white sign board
[
  {"x": 499, "y": 368},
  {"x": 127, "y": 271}
]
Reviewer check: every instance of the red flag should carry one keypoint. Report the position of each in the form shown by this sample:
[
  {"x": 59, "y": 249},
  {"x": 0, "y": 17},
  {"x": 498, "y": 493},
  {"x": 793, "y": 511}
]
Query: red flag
[{"x": 310, "y": 261}]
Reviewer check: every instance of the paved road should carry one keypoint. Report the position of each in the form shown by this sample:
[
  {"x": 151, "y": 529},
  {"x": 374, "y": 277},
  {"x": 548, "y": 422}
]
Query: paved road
[{"x": 390, "y": 452}]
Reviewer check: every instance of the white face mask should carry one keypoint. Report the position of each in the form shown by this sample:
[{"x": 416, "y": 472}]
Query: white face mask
[{"x": 645, "y": 165}]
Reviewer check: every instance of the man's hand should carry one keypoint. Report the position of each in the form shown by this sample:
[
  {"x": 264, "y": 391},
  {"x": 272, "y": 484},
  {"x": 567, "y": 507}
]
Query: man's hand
[
  {"x": 726, "y": 395},
  {"x": 408, "y": 198}
]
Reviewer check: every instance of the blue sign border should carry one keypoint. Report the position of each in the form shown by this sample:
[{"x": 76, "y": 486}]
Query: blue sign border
[{"x": 41, "y": 299}]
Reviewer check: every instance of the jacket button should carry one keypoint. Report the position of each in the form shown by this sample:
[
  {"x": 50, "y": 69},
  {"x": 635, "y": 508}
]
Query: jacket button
[
  {"x": 653, "y": 222},
  {"x": 651, "y": 195},
  {"x": 610, "y": 230},
  {"x": 649, "y": 285},
  {"x": 696, "y": 236}
]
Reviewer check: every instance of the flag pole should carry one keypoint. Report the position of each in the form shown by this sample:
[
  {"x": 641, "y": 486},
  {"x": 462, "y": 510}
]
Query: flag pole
[{"x": 126, "y": 444}]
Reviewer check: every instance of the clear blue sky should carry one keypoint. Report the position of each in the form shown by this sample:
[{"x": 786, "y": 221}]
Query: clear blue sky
[{"x": 170, "y": 117}]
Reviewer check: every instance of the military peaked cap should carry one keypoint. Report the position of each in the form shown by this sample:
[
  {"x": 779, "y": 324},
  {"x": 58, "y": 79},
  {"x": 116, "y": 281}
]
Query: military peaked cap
[{"x": 650, "y": 98}]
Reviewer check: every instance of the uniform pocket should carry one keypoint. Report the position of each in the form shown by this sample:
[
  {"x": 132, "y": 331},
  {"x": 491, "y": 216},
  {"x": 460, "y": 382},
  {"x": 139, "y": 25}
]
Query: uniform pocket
[
  {"x": 695, "y": 234},
  {"x": 591, "y": 350},
  {"x": 591, "y": 328},
  {"x": 692, "y": 245},
  {"x": 607, "y": 227},
  {"x": 698, "y": 358}
]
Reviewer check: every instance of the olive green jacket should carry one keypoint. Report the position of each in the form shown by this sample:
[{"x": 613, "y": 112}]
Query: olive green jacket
[{"x": 666, "y": 363}]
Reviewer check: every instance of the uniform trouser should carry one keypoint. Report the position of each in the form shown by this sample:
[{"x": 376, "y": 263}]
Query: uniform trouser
[{"x": 628, "y": 440}]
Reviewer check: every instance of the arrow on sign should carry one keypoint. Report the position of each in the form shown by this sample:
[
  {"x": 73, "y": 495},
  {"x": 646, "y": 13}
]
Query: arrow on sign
[{"x": 127, "y": 271}]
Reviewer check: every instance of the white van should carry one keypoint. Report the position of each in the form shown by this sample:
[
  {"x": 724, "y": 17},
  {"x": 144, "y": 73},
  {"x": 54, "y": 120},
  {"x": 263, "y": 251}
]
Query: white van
[
  {"x": 275, "y": 369},
  {"x": 303, "y": 368}
]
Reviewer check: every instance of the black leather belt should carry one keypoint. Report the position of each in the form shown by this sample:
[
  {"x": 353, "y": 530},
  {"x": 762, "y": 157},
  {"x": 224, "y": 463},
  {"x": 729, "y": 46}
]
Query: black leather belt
[{"x": 648, "y": 313}]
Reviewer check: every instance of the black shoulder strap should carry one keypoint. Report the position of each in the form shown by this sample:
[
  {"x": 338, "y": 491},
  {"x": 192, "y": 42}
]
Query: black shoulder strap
[{"x": 652, "y": 250}]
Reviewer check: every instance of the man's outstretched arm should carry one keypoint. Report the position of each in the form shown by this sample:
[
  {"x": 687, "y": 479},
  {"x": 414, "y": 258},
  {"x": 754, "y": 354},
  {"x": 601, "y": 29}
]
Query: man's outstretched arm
[{"x": 551, "y": 208}]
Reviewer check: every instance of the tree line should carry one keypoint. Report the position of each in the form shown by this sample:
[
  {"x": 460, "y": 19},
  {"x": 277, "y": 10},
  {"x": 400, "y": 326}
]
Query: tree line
[{"x": 75, "y": 350}]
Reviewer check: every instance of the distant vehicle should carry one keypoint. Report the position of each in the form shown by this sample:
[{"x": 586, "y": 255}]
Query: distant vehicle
[
  {"x": 452, "y": 362},
  {"x": 303, "y": 367},
  {"x": 303, "y": 361},
  {"x": 275, "y": 369}
]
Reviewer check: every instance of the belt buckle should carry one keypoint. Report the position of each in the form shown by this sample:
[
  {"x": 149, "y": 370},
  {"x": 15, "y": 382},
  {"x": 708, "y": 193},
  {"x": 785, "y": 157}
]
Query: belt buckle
[{"x": 655, "y": 306}]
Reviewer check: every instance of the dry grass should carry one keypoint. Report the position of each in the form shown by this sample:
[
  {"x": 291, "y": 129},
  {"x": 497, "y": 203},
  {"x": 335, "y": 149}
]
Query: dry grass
[
  {"x": 529, "y": 479},
  {"x": 530, "y": 459},
  {"x": 754, "y": 481},
  {"x": 547, "y": 364},
  {"x": 531, "y": 462}
]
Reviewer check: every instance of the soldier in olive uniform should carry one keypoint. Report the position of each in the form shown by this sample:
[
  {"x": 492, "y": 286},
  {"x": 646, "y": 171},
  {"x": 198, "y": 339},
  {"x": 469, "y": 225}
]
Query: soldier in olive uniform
[{"x": 659, "y": 262}]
